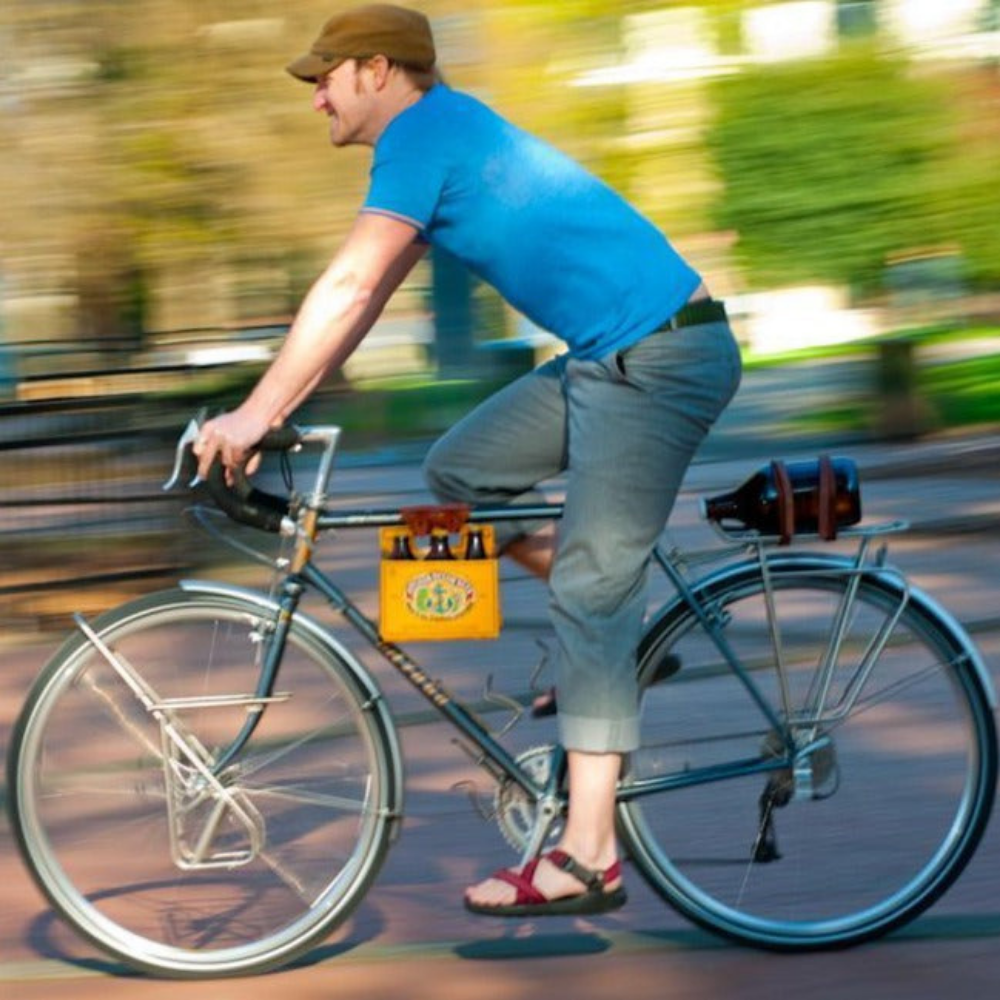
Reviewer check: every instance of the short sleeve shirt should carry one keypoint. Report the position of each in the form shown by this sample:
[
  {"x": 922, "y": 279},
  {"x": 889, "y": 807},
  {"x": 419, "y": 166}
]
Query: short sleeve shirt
[{"x": 556, "y": 242}]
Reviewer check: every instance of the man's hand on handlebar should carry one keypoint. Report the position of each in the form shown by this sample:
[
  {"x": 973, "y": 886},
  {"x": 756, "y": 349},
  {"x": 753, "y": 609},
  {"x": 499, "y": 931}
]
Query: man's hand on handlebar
[
  {"x": 231, "y": 438},
  {"x": 221, "y": 475}
]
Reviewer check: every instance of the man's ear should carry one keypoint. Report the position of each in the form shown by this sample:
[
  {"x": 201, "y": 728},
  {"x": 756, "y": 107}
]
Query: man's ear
[{"x": 380, "y": 68}]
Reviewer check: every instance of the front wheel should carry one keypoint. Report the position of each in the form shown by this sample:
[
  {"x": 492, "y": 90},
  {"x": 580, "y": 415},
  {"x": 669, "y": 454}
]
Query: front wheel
[
  {"x": 152, "y": 851},
  {"x": 859, "y": 807}
]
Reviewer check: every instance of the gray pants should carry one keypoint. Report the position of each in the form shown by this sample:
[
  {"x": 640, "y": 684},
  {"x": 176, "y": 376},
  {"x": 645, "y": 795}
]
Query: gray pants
[{"x": 624, "y": 430}]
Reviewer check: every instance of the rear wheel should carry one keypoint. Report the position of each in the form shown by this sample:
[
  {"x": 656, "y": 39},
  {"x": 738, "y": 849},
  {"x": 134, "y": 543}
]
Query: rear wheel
[{"x": 892, "y": 787}]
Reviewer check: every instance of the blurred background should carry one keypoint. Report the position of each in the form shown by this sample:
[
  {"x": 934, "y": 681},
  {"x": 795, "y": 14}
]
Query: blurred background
[{"x": 167, "y": 196}]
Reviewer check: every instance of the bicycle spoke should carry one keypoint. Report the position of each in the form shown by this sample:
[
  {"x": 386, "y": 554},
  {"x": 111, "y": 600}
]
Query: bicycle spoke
[
  {"x": 290, "y": 793},
  {"x": 263, "y": 761}
]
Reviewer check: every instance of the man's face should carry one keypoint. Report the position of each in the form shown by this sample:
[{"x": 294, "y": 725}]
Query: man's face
[{"x": 345, "y": 96}]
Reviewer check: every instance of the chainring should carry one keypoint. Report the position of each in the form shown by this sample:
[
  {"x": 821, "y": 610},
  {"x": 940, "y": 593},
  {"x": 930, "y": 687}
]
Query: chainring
[{"x": 513, "y": 810}]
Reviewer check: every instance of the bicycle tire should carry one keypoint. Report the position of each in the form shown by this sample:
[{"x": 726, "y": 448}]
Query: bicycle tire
[
  {"x": 142, "y": 853},
  {"x": 901, "y": 792}
]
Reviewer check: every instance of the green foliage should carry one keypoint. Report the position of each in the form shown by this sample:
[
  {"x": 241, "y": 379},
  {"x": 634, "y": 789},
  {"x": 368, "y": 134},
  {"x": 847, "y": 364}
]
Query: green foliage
[
  {"x": 399, "y": 409},
  {"x": 968, "y": 190},
  {"x": 964, "y": 391},
  {"x": 832, "y": 166},
  {"x": 578, "y": 11}
]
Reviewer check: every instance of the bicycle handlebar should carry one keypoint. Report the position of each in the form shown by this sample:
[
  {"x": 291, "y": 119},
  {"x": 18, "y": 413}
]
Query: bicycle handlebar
[
  {"x": 243, "y": 502},
  {"x": 239, "y": 500}
]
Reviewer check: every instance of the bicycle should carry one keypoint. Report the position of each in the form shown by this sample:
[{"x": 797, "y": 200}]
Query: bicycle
[{"x": 205, "y": 781}]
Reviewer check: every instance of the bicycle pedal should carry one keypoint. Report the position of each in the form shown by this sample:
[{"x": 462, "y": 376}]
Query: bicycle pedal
[
  {"x": 545, "y": 705},
  {"x": 503, "y": 701},
  {"x": 486, "y": 812},
  {"x": 665, "y": 669}
]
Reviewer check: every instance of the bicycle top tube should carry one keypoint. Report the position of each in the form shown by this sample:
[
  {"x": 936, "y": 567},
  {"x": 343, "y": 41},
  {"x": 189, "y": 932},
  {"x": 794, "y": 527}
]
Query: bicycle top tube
[
  {"x": 328, "y": 437},
  {"x": 390, "y": 517}
]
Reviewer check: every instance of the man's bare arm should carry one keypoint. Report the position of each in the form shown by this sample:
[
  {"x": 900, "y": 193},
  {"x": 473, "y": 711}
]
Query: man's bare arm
[
  {"x": 392, "y": 280},
  {"x": 335, "y": 315}
]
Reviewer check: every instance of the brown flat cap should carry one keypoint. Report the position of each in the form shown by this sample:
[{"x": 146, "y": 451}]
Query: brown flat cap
[{"x": 397, "y": 33}]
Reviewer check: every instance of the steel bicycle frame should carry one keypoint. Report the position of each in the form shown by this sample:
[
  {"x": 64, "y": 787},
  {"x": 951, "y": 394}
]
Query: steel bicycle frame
[
  {"x": 486, "y": 750},
  {"x": 313, "y": 518}
]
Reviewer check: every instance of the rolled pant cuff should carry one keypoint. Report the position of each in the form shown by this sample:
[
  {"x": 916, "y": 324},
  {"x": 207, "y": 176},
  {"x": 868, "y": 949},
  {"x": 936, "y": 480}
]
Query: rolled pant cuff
[{"x": 589, "y": 735}]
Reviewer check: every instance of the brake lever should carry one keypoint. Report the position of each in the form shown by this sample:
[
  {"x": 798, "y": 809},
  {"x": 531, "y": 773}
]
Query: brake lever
[{"x": 185, "y": 463}]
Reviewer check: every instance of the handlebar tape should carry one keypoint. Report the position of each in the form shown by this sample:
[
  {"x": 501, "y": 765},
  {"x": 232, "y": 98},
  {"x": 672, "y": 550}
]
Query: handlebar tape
[{"x": 245, "y": 503}]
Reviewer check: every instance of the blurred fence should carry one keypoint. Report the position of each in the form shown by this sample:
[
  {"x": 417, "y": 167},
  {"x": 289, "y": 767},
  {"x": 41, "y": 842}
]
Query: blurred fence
[{"x": 83, "y": 521}]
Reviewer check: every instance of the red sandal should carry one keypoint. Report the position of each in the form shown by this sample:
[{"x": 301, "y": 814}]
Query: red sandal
[{"x": 529, "y": 902}]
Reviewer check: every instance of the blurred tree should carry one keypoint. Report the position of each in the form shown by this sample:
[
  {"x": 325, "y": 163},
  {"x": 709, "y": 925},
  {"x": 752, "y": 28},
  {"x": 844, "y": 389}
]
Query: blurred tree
[
  {"x": 199, "y": 144},
  {"x": 553, "y": 71},
  {"x": 161, "y": 162},
  {"x": 157, "y": 152},
  {"x": 830, "y": 166},
  {"x": 969, "y": 189},
  {"x": 157, "y": 155}
]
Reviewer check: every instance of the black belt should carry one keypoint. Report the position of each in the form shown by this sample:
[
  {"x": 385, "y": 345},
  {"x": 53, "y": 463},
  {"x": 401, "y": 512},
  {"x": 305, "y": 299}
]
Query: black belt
[{"x": 696, "y": 313}]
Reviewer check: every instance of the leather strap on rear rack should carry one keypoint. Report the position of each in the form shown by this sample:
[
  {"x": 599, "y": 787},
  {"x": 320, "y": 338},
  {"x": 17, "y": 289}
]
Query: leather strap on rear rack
[
  {"x": 827, "y": 521},
  {"x": 786, "y": 501}
]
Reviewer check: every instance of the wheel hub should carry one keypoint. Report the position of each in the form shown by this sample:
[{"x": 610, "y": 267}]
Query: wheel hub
[{"x": 814, "y": 774}]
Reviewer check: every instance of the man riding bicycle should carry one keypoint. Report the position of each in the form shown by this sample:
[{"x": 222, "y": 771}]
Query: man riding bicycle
[{"x": 650, "y": 364}]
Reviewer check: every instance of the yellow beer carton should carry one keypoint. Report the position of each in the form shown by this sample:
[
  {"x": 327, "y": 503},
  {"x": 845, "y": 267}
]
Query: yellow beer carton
[{"x": 439, "y": 577}]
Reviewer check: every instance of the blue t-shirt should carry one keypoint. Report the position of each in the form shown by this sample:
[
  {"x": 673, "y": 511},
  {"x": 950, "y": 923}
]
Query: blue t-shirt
[{"x": 557, "y": 243}]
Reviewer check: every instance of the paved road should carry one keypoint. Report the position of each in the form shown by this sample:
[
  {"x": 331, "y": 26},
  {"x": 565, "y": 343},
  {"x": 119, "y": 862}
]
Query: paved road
[{"x": 411, "y": 938}]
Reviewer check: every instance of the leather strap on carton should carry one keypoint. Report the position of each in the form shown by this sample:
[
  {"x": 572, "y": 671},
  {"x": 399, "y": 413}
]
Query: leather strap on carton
[
  {"x": 447, "y": 517},
  {"x": 786, "y": 501},
  {"x": 827, "y": 500}
]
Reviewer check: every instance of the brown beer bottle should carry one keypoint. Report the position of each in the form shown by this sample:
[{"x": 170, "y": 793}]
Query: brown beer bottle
[
  {"x": 401, "y": 548},
  {"x": 439, "y": 548},
  {"x": 755, "y": 504},
  {"x": 474, "y": 546}
]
